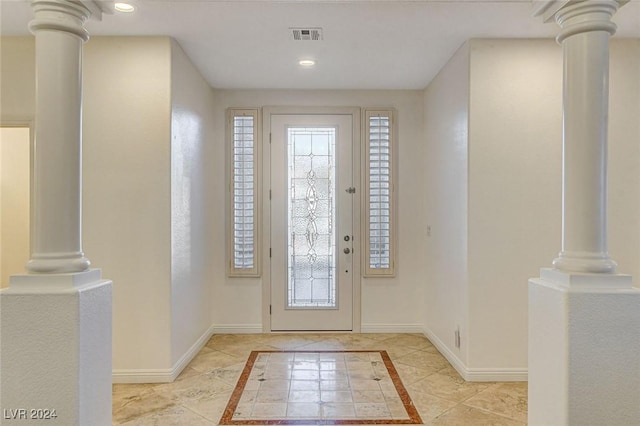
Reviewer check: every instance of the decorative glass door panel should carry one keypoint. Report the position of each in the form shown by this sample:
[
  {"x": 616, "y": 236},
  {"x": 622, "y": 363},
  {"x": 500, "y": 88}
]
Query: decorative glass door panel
[
  {"x": 311, "y": 222},
  {"x": 311, "y": 183}
]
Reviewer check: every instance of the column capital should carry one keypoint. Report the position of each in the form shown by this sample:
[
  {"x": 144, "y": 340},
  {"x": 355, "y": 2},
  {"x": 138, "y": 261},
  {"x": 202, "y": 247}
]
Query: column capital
[
  {"x": 579, "y": 16},
  {"x": 67, "y": 15},
  {"x": 547, "y": 9},
  {"x": 586, "y": 16}
]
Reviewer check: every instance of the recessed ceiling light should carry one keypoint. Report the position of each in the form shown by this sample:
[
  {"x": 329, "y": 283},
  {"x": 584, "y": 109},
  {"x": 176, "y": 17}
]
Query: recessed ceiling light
[
  {"x": 124, "y": 7},
  {"x": 307, "y": 63}
]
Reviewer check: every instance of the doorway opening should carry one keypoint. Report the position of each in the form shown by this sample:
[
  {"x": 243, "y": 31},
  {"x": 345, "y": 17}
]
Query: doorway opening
[{"x": 15, "y": 177}]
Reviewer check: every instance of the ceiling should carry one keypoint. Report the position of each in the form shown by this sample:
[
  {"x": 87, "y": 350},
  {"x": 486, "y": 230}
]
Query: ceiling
[{"x": 367, "y": 44}]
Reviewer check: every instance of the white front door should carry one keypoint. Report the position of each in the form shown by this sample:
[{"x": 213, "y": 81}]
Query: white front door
[{"x": 312, "y": 221}]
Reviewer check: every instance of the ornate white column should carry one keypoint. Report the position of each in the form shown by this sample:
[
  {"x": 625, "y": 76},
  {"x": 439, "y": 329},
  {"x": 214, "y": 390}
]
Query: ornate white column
[
  {"x": 57, "y": 175},
  {"x": 584, "y": 320},
  {"x": 586, "y": 28},
  {"x": 55, "y": 322}
]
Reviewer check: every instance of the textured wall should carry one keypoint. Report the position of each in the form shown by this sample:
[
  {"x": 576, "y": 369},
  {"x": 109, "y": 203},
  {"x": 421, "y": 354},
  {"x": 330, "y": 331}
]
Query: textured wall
[
  {"x": 18, "y": 77},
  {"x": 514, "y": 189},
  {"x": 446, "y": 126},
  {"x": 191, "y": 129},
  {"x": 127, "y": 190}
]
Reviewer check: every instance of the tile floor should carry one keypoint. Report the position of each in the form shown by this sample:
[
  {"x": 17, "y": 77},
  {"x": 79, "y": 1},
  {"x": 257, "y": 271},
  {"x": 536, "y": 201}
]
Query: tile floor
[
  {"x": 354, "y": 387},
  {"x": 206, "y": 387}
]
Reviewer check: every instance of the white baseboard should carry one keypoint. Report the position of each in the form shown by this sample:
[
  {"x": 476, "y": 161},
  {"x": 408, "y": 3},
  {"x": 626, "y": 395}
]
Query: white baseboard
[
  {"x": 476, "y": 374},
  {"x": 166, "y": 375},
  {"x": 365, "y": 328},
  {"x": 469, "y": 374},
  {"x": 191, "y": 353},
  {"x": 237, "y": 329},
  {"x": 446, "y": 352},
  {"x": 142, "y": 376},
  {"x": 391, "y": 328},
  {"x": 496, "y": 375}
]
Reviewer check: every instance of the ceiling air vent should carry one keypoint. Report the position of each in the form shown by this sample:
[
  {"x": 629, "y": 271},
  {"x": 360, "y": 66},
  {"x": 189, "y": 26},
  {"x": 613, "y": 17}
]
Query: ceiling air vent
[{"x": 306, "y": 34}]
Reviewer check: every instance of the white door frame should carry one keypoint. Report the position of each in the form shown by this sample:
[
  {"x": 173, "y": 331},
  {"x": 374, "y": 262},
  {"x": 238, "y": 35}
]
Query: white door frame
[{"x": 267, "y": 112}]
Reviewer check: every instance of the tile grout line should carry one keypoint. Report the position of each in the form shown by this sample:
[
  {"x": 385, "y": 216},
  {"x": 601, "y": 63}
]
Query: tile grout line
[
  {"x": 197, "y": 414},
  {"x": 491, "y": 412}
]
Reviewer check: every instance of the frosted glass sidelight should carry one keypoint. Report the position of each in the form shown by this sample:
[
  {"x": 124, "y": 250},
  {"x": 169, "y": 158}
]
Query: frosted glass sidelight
[
  {"x": 243, "y": 192},
  {"x": 311, "y": 223}
]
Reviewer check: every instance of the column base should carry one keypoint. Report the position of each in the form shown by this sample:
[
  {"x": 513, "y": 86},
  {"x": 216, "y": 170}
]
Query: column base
[
  {"x": 58, "y": 263},
  {"x": 56, "y": 350},
  {"x": 595, "y": 263},
  {"x": 584, "y": 340}
]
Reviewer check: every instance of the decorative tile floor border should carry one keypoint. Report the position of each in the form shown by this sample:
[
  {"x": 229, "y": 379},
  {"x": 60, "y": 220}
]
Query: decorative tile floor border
[{"x": 411, "y": 416}]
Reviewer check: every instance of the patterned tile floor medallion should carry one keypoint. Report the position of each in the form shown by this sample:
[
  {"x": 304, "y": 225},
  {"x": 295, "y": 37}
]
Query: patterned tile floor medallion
[{"x": 319, "y": 387}]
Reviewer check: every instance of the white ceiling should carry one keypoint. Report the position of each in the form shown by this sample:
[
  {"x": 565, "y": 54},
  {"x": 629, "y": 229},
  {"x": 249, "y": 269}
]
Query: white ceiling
[{"x": 367, "y": 44}]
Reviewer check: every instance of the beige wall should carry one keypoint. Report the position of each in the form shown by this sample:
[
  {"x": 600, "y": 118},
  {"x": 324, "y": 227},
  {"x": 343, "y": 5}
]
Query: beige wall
[
  {"x": 624, "y": 157},
  {"x": 515, "y": 182},
  {"x": 147, "y": 124},
  {"x": 191, "y": 199},
  {"x": 146, "y": 232},
  {"x": 17, "y": 107},
  {"x": 446, "y": 126},
  {"x": 126, "y": 194},
  {"x": 498, "y": 195},
  {"x": 14, "y": 201},
  {"x": 513, "y": 190},
  {"x": 17, "y": 78}
]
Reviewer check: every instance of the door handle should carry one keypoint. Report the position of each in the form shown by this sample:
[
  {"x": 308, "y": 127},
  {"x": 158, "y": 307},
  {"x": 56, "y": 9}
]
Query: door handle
[{"x": 347, "y": 250}]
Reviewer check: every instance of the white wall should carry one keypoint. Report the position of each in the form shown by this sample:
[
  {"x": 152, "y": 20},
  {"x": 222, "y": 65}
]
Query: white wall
[
  {"x": 515, "y": 154},
  {"x": 146, "y": 121},
  {"x": 514, "y": 190},
  {"x": 127, "y": 198},
  {"x": 393, "y": 303},
  {"x": 17, "y": 107},
  {"x": 191, "y": 132},
  {"x": 15, "y": 166},
  {"x": 446, "y": 126},
  {"x": 17, "y": 79},
  {"x": 494, "y": 198},
  {"x": 624, "y": 157}
]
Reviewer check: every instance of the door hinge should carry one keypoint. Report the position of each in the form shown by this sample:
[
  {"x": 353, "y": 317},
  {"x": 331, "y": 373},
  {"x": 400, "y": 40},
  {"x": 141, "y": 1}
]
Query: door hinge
[
  {"x": 269, "y": 251},
  {"x": 269, "y": 309},
  {"x": 269, "y": 194},
  {"x": 269, "y": 137}
]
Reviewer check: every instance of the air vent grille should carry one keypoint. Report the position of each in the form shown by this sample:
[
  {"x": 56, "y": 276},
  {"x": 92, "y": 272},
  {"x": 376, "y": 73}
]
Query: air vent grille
[{"x": 306, "y": 34}]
